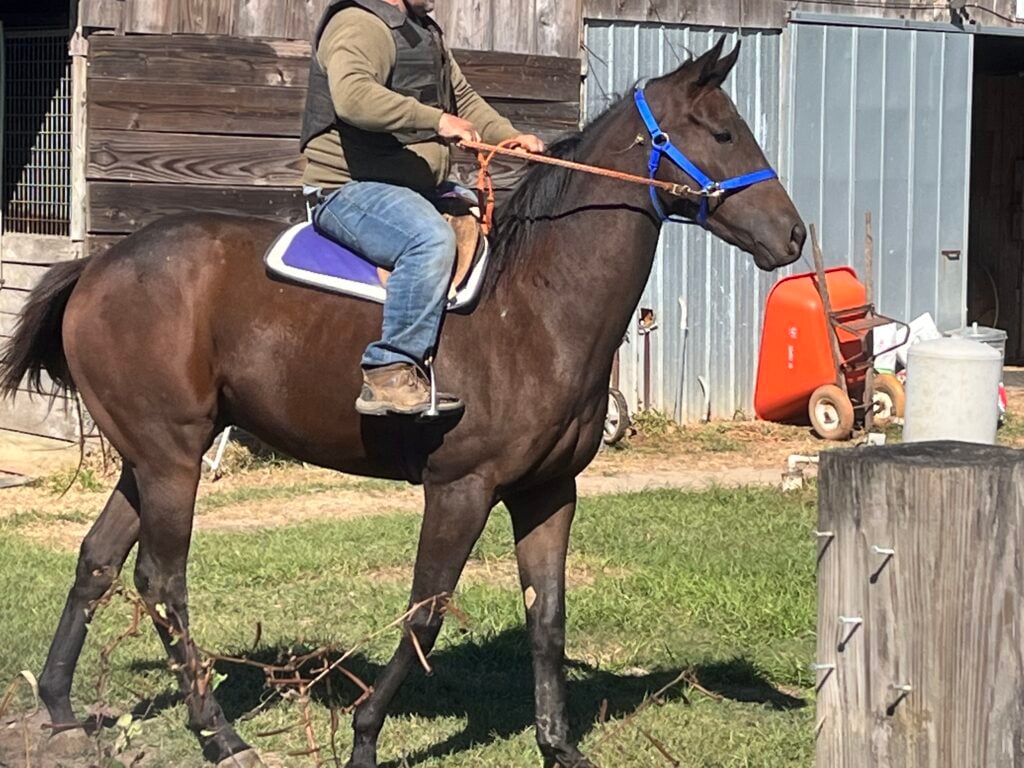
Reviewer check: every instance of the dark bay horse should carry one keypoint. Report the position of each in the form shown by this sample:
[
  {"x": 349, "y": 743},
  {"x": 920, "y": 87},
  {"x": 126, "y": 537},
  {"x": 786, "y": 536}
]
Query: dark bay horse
[{"x": 178, "y": 331}]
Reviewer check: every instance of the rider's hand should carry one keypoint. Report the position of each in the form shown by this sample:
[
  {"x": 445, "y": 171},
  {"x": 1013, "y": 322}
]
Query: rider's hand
[
  {"x": 452, "y": 127},
  {"x": 529, "y": 142}
]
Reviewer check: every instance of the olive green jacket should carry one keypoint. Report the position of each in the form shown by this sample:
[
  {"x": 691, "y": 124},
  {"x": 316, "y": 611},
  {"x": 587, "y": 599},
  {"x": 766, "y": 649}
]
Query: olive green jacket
[{"x": 358, "y": 53}]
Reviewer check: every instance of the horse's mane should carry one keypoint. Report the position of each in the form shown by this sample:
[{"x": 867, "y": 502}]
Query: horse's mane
[{"x": 534, "y": 199}]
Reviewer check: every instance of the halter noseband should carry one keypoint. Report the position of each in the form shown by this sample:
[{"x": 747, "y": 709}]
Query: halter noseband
[{"x": 662, "y": 146}]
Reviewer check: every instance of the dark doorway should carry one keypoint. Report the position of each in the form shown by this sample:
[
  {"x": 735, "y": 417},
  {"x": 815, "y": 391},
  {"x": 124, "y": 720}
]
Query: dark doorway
[
  {"x": 35, "y": 79},
  {"x": 995, "y": 283}
]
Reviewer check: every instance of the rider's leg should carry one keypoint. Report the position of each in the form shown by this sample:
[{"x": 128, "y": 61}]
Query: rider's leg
[{"x": 398, "y": 229}]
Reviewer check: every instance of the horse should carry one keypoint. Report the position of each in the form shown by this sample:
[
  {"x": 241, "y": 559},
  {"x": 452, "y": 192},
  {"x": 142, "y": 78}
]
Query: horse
[{"x": 178, "y": 331}]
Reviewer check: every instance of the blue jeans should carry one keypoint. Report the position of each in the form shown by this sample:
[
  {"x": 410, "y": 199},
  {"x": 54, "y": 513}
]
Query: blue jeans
[{"x": 397, "y": 229}]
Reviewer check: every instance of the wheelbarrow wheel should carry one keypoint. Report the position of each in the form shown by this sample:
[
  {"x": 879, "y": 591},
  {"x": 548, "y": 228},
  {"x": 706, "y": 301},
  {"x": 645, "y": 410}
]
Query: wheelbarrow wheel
[
  {"x": 889, "y": 399},
  {"x": 831, "y": 413},
  {"x": 616, "y": 422}
]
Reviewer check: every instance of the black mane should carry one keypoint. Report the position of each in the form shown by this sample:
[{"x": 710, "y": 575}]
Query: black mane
[{"x": 535, "y": 198}]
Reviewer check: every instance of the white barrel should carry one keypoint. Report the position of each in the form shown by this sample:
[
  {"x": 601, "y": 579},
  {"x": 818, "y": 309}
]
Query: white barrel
[
  {"x": 994, "y": 337},
  {"x": 952, "y": 392}
]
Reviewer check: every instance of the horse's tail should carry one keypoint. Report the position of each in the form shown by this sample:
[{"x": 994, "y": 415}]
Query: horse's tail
[{"x": 38, "y": 343}]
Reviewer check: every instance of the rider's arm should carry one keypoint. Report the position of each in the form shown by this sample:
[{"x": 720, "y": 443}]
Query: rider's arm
[
  {"x": 358, "y": 53},
  {"x": 493, "y": 128}
]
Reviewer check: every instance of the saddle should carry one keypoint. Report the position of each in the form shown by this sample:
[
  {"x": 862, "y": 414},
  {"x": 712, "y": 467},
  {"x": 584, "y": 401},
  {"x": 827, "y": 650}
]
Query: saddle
[{"x": 301, "y": 254}]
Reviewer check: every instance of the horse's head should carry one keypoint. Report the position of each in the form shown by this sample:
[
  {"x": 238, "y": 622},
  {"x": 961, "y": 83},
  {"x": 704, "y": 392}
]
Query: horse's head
[{"x": 701, "y": 120}]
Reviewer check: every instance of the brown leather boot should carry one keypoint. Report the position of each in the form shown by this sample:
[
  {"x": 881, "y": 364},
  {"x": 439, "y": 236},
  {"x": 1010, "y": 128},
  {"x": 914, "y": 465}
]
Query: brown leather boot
[{"x": 400, "y": 388}]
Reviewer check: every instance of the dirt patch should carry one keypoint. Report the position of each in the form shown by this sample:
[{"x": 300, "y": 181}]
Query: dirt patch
[
  {"x": 595, "y": 483},
  {"x": 499, "y": 572},
  {"x": 330, "y": 505},
  {"x": 246, "y": 516},
  {"x": 25, "y": 741}
]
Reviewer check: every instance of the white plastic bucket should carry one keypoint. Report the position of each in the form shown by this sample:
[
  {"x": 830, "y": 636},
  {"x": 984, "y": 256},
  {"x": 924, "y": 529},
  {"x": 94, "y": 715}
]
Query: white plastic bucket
[{"x": 951, "y": 387}]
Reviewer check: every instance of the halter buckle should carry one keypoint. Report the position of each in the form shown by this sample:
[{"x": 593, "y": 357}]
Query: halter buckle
[{"x": 660, "y": 139}]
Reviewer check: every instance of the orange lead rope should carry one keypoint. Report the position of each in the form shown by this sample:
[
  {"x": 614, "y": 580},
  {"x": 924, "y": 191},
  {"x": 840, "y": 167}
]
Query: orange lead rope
[{"x": 485, "y": 154}]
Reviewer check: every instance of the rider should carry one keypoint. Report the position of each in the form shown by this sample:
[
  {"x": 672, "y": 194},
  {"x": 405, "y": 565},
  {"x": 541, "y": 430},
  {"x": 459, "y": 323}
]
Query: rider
[{"x": 385, "y": 98}]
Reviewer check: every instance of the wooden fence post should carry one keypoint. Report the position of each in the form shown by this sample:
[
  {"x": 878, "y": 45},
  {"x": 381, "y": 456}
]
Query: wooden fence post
[{"x": 920, "y": 633}]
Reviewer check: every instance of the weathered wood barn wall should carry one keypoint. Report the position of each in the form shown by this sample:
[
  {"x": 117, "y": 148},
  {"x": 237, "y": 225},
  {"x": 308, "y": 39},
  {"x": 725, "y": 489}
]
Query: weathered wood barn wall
[
  {"x": 546, "y": 27},
  {"x": 201, "y": 110},
  {"x": 196, "y": 105}
]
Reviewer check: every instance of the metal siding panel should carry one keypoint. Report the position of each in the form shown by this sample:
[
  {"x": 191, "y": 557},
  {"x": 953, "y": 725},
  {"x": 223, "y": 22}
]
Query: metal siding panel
[
  {"x": 836, "y": 136},
  {"x": 955, "y": 158},
  {"x": 896, "y": 169},
  {"x": 808, "y": 93},
  {"x": 927, "y": 119},
  {"x": 868, "y": 142},
  {"x": 894, "y": 141}
]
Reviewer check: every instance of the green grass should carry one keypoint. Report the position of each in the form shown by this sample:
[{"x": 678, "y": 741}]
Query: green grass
[{"x": 720, "y": 583}]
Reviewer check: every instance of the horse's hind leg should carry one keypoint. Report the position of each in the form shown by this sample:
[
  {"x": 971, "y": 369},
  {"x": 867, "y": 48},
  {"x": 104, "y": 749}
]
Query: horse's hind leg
[
  {"x": 168, "y": 490},
  {"x": 99, "y": 562}
]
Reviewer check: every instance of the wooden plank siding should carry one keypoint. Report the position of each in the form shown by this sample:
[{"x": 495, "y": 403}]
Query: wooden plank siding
[
  {"x": 26, "y": 259},
  {"x": 199, "y": 58},
  {"x": 210, "y": 123},
  {"x": 546, "y": 27},
  {"x": 116, "y": 207}
]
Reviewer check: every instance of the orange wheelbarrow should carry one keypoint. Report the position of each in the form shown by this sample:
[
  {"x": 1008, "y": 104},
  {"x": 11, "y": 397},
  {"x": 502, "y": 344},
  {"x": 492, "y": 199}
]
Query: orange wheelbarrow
[{"x": 817, "y": 357}]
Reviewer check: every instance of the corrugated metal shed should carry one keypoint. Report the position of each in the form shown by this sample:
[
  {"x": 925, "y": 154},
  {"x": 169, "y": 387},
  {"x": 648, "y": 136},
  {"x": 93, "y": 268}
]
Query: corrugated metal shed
[
  {"x": 707, "y": 296},
  {"x": 881, "y": 122}
]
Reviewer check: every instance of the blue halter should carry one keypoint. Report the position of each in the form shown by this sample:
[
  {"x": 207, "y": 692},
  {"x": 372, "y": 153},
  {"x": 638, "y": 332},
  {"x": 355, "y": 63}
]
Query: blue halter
[{"x": 662, "y": 146}]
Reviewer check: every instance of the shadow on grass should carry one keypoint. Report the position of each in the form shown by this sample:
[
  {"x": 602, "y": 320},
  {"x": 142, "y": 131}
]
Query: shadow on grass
[{"x": 490, "y": 685}]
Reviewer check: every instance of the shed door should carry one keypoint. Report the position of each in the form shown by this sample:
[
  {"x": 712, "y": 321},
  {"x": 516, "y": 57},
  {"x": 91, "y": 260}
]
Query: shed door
[{"x": 880, "y": 121}]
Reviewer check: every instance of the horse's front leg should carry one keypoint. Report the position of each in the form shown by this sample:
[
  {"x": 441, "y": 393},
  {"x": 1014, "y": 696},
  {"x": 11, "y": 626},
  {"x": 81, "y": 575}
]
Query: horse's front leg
[
  {"x": 453, "y": 520},
  {"x": 541, "y": 519}
]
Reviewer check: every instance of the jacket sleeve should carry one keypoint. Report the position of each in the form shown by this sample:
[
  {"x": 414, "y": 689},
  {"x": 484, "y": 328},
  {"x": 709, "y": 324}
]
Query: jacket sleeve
[
  {"x": 493, "y": 128},
  {"x": 358, "y": 53}
]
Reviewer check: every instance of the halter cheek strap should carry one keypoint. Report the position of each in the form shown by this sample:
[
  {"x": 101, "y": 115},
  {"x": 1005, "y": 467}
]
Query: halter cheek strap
[{"x": 662, "y": 147}]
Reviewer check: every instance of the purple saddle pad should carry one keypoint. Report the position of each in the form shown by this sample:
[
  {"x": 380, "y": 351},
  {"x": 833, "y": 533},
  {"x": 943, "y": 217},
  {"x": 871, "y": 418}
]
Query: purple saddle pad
[{"x": 312, "y": 252}]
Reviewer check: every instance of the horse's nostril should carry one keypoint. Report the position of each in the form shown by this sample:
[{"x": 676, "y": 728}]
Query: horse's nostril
[{"x": 798, "y": 237}]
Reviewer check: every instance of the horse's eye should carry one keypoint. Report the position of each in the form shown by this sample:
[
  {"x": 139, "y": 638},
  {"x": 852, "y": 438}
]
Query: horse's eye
[{"x": 723, "y": 137}]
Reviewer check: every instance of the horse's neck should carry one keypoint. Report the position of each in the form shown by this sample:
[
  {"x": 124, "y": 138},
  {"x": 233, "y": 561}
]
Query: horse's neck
[{"x": 588, "y": 266}]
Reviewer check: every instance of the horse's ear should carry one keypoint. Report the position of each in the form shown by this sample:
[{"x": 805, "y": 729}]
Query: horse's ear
[
  {"x": 713, "y": 71},
  {"x": 706, "y": 60}
]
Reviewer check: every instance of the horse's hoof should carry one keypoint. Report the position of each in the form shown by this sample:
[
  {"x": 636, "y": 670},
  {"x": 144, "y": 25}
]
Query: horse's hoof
[
  {"x": 568, "y": 758},
  {"x": 71, "y": 739},
  {"x": 248, "y": 758}
]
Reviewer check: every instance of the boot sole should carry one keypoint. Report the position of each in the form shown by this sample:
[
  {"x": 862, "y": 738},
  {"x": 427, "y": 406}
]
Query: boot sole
[{"x": 370, "y": 408}]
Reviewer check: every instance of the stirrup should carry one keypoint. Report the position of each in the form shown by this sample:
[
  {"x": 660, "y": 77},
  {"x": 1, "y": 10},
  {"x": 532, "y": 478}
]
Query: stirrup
[{"x": 434, "y": 412}]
